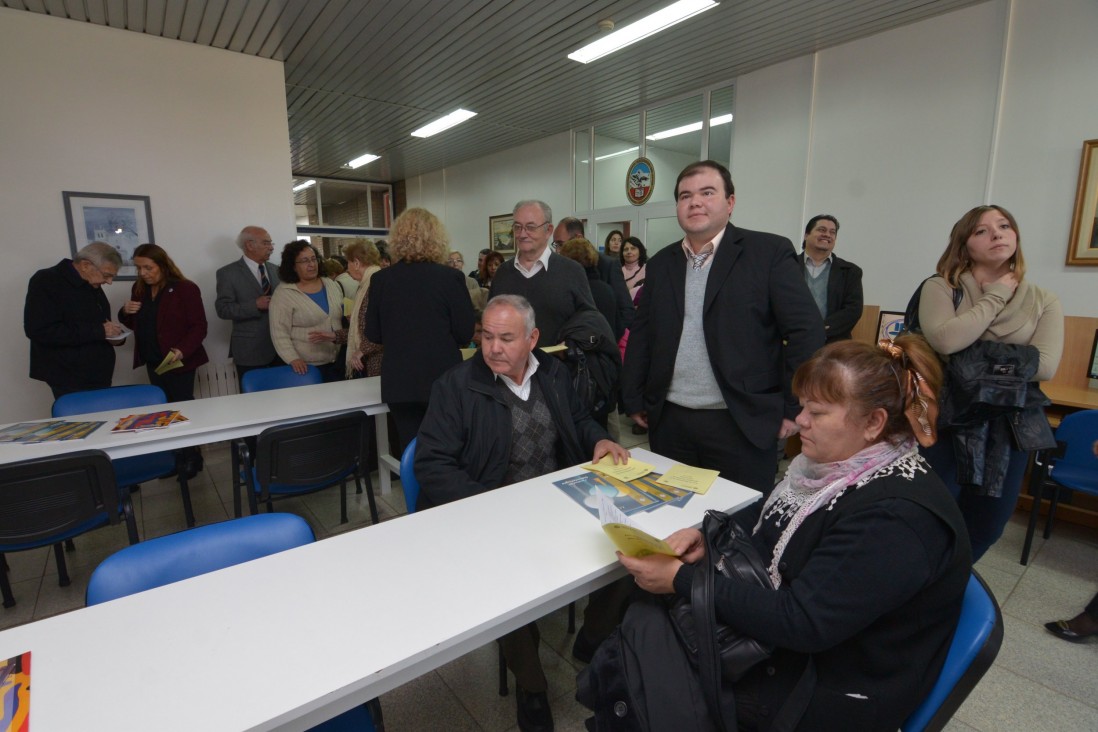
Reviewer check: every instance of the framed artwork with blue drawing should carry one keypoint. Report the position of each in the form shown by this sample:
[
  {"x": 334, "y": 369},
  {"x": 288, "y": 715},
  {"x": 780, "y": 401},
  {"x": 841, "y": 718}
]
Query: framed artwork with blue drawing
[
  {"x": 119, "y": 219},
  {"x": 889, "y": 325}
]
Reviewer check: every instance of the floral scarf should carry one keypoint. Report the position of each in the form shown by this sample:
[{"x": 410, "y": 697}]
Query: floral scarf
[{"x": 809, "y": 486}]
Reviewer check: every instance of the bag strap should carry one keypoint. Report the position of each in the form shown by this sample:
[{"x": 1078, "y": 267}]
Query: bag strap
[{"x": 705, "y": 625}]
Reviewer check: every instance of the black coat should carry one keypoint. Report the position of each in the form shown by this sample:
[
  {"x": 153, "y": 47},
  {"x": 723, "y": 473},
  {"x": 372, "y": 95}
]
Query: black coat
[
  {"x": 464, "y": 443},
  {"x": 609, "y": 270},
  {"x": 63, "y": 317},
  {"x": 421, "y": 313},
  {"x": 844, "y": 298},
  {"x": 755, "y": 299}
]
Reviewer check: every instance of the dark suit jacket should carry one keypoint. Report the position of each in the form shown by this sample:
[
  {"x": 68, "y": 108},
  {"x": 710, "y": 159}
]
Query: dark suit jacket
[
  {"x": 844, "y": 298},
  {"x": 610, "y": 272},
  {"x": 63, "y": 317},
  {"x": 422, "y": 314},
  {"x": 180, "y": 323},
  {"x": 755, "y": 298},
  {"x": 237, "y": 290}
]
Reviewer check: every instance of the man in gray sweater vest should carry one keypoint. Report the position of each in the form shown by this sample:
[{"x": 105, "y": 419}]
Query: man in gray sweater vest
[{"x": 724, "y": 320}]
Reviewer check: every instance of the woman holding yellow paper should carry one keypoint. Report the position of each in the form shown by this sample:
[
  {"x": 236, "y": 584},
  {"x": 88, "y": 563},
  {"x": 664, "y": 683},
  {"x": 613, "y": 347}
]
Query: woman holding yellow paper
[
  {"x": 867, "y": 553},
  {"x": 169, "y": 324}
]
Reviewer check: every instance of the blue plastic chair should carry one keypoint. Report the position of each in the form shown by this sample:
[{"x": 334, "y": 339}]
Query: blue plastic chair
[
  {"x": 50, "y": 500},
  {"x": 194, "y": 552},
  {"x": 408, "y": 476},
  {"x": 1071, "y": 465},
  {"x": 974, "y": 647},
  {"x": 130, "y": 471},
  {"x": 278, "y": 377}
]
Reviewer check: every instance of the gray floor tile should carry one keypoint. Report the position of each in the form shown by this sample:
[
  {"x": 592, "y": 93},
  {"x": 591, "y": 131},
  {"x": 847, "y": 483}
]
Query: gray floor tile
[
  {"x": 26, "y": 596},
  {"x": 1006, "y": 702},
  {"x": 1032, "y": 652},
  {"x": 426, "y": 705}
]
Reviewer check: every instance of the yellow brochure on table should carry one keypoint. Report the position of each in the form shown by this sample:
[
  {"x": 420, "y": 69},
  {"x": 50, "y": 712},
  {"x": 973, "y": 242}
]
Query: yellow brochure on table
[
  {"x": 696, "y": 480},
  {"x": 630, "y": 471},
  {"x": 630, "y": 540}
]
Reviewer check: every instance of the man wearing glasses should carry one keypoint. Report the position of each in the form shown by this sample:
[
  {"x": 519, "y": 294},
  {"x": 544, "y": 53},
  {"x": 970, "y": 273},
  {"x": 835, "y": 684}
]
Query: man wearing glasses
[
  {"x": 68, "y": 320},
  {"x": 555, "y": 286},
  {"x": 244, "y": 290}
]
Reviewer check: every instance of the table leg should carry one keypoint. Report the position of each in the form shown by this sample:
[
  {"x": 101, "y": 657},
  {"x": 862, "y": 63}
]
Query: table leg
[{"x": 386, "y": 463}]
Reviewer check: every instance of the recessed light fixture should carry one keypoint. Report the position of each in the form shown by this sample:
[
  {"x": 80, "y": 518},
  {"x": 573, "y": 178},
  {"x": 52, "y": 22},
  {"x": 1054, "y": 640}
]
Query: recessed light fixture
[
  {"x": 444, "y": 123},
  {"x": 654, "y": 23},
  {"x": 360, "y": 161},
  {"x": 676, "y": 131},
  {"x": 303, "y": 186},
  {"x": 626, "y": 151}
]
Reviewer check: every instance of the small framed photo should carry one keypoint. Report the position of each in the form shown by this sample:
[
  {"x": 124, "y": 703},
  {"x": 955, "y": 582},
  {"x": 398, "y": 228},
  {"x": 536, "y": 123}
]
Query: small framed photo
[
  {"x": 889, "y": 324},
  {"x": 118, "y": 219},
  {"x": 500, "y": 236},
  {"x": 1092, "y": 373},
  {"x": 1083, "y": 247}
]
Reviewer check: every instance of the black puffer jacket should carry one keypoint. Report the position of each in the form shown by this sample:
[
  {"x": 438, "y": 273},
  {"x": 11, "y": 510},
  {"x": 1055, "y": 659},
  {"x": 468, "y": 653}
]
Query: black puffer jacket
[{"x": 464, "y": 442}]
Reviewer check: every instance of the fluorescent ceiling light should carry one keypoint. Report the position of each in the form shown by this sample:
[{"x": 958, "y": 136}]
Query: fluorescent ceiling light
[
  {"x": 626, "y": 151},
  {"x": 360, "y": 161},
  {"x": 674, "y": 132},
  {"x": 303, "y": 186},
  {"x": 654, "y": 23},
  {"x": 444, "y": 123}
]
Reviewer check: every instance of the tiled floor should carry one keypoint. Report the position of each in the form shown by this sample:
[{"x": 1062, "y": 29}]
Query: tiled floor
[{"x": 1038, "y": 683}]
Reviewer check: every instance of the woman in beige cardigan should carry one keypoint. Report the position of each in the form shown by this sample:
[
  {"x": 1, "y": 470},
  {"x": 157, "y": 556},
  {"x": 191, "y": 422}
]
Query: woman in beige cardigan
[
  {"x": 984, "y": 262},
  {"x": 363, "y": 356},
  {"x": 306, "y": 314}
]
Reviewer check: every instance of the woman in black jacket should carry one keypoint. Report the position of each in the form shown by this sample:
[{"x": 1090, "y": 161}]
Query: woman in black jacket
[
  {"x": 420, "y": 311},
  {"x": 867, "y": 551}
]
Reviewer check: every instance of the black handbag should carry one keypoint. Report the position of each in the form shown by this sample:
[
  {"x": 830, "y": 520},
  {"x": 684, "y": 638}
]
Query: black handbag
[{"x": 728, "y": 550}]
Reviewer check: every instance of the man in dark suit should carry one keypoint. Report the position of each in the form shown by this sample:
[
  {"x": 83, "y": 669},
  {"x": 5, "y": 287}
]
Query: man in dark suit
[
  {"x": 609, "y": 269},
  {"x": 244, "y": 290},
  {"x": 723, "y": 322},
  {"x": 835, "y": 284}
]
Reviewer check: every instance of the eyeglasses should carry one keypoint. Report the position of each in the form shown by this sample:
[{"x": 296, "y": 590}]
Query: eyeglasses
[
  {"x": 107, "y": 276},
  {"x": 530, "y": 228},
  {"x": 310, "y": 260}
]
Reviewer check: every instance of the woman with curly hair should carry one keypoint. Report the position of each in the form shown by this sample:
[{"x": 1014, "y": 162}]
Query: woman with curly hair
[
  {"x": 307, "y": 314},
  {"x": 420, "y": 311}
]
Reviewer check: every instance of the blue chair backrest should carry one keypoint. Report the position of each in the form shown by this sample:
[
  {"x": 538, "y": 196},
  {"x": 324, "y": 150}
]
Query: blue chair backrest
[
  {"x": 1078, "y": 431},
  {"x": 279, "y": 377},
  {"x": 101, "y": 400},
  {"x": 973, "y": 648},
  {"x": 189, "y": 553},
  {"x": 408, "y": 476}
]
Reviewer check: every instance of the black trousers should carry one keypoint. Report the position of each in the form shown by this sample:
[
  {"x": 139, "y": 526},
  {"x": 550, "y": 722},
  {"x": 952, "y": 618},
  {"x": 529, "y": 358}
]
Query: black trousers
[
  {"x": 407, "y": 416},
  {"x": 711, "y": 439}
]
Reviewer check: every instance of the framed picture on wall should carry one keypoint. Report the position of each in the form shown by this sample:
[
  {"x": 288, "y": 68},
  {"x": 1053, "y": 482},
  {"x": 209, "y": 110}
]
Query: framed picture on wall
[
  {"x": 118, "y": 219},
  {"x": 500, "y": 237},
  {"x": 1083, "y": 246},
  {"x": 889, "y": 324}
]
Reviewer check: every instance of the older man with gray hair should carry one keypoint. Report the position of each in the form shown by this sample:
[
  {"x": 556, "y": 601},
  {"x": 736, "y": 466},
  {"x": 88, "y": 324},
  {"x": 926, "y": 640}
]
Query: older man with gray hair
[
  {"x": 554, "y": 285},
  {"x": 68, "y": 321},
  {"x": 506, "y": 415},
  {"x": 244, "y": 290}
]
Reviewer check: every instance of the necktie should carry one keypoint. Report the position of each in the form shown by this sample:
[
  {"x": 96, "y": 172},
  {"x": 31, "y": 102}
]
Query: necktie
[
  {"x": 699, "y": 258},
  {"x": 264, "y": 283}
]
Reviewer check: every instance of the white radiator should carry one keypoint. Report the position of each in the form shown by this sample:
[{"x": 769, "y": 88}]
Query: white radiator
[{"x": 215, "y": 379}]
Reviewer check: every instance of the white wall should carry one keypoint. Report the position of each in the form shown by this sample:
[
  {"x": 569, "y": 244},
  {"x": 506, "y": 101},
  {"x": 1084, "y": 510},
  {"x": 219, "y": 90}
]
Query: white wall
[
  {"x": 201, "y": 131},
  {"x": 897, "y": 134}
]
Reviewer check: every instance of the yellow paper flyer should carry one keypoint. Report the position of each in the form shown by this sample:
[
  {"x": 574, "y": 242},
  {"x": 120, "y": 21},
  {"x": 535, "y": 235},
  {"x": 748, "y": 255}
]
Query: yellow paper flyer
[
  {"x": 627, "y": 537},
  {"x": 630, "y": 471},
  {"x": 696, "y": 480}
]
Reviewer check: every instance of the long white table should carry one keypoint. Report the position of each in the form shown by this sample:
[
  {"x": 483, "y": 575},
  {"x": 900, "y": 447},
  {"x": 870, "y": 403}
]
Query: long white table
[
  {"x": 287, "y": 641},
  {"x": 215, "y": 419}
]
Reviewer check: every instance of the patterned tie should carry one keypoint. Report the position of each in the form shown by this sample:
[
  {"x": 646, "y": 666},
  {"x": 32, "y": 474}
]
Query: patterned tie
[
  {"x": 264, "y": 283},
  {"x": 699, "y": 258}
]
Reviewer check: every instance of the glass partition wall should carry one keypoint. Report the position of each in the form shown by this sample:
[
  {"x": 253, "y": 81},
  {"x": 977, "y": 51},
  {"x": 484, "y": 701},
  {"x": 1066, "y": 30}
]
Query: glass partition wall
[{"x": 332, "y": 213}]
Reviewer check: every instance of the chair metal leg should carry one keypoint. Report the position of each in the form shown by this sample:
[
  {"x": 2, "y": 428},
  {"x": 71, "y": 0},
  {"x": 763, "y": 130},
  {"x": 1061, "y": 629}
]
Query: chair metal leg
[
  {"x": 62, "y": 570},
  {"x": 238, "y": 451},
  {"x": 130, "y": 519},
  {"x": 343, "y": 500},
  {"x": 369, "y": 495},
  {"x": 5, "y": 585},
  {"x": 1037, "y": 478},
  {"x": 571, "y": 617},
  {"x": 69, "y": 546},
  {"x": 185, "y": 491},
  {"x": 502, "y": 671}
]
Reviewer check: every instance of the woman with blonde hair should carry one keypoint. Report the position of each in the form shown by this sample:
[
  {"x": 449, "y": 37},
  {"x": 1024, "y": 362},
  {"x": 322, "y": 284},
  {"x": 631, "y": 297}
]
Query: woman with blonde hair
[
  {"x": 363, "y": 357},
  {"x": 980, "y": 300},
  {"x": 420, "y": 311}
]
